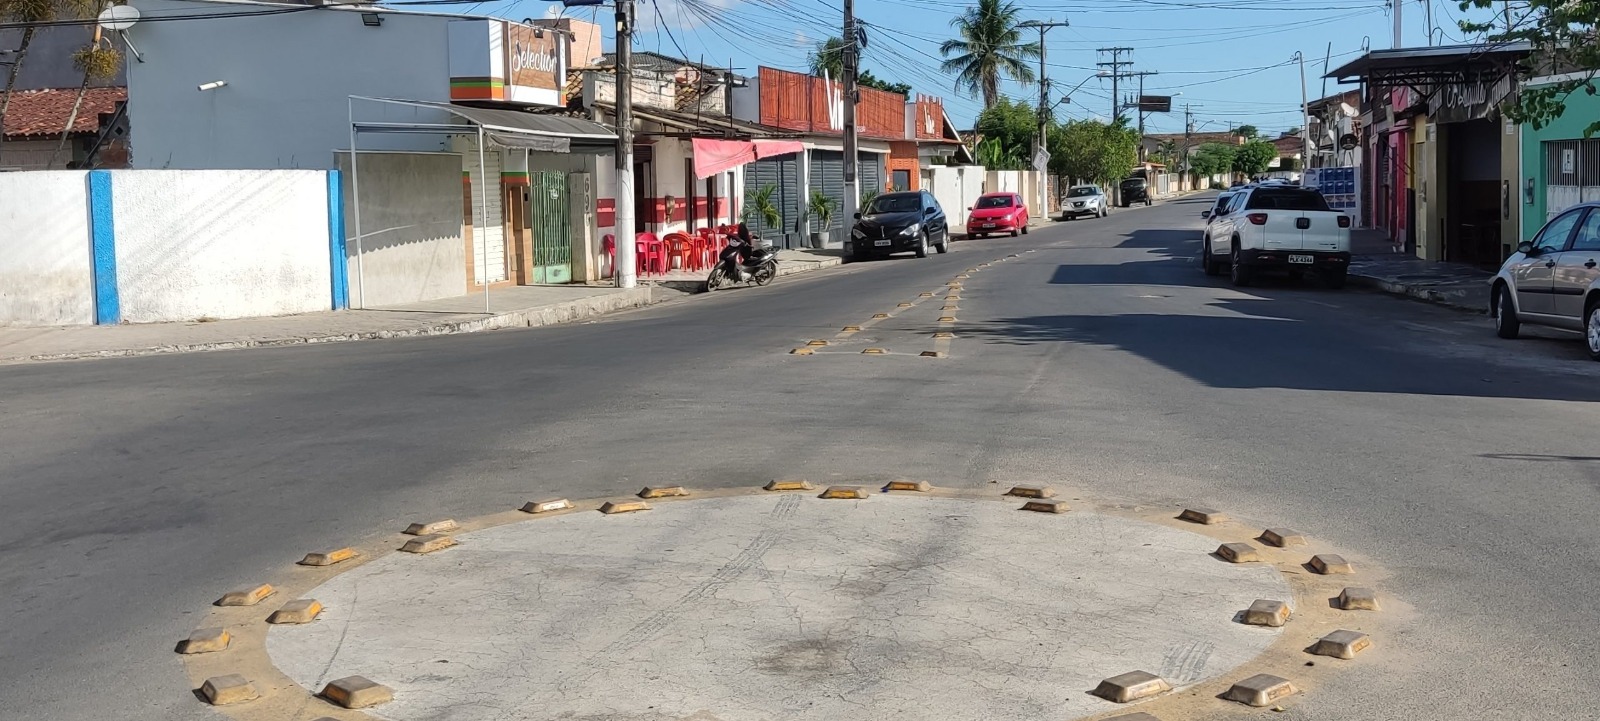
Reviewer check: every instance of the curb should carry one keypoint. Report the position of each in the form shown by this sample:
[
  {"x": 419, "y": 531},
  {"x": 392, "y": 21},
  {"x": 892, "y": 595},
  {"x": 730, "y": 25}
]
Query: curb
[
  {"x": 1454, "y": 299},
  {"x": 566, "y": 312}
]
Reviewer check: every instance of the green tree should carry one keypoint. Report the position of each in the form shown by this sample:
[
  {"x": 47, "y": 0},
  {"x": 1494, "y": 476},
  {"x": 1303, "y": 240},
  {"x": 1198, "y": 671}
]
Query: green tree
[
  {"x": 32, "y": 12},
  {"x": 1212, "y": 159},
  {"x": 1094, "y": 151},
  {"x": 867, "y": 80},
  {"x": 1013, "y": 123},
  {"x": 827, "y": 58},
  {"x": 1563, "y": 35},
  {"x": 1167, "y": 154},
  {"x": 99, "y": 61},
  {"x": 994, "y": 154},
  {"x": 1253, "y": 157},
  {"x": 1247, "y": 132},
  {"x": 989, "y": 46}
]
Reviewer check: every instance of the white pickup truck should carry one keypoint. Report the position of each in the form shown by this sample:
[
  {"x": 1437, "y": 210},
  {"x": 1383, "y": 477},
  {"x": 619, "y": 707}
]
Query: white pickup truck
[{"x": 1277, "y": 227}]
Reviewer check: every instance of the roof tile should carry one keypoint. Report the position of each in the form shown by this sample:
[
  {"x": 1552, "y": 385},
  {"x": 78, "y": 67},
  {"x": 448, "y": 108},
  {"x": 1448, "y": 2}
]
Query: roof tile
[{"x": 41, "y": 113}]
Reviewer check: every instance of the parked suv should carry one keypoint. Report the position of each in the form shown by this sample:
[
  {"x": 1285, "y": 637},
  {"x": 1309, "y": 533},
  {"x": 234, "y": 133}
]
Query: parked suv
[
  {"x": 1554, "y": 279},
  {"x": 900, "y": 222},
  {"x": 1277, "y": 227}
]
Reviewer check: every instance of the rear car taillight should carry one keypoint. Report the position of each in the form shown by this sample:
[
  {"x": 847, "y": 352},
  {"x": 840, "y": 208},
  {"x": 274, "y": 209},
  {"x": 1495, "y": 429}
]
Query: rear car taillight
[
  {"x": 1344, "y": 221},
  {"x": 1257, "y": 218}
]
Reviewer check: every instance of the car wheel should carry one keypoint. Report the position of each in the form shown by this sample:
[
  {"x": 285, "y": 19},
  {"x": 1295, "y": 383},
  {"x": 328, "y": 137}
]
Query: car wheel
[
  {"x": 1024, "y": 230},
  {"x": 1238, "y": 273},
  {"x": 1506, "y": 323},
  {"x": 1208, "y": 263},
  {"x": 1016, "y": 233},
  {"x": 1591, "y": 330},
  {"x": 1335, "y": 279},
  {"x": 945, "y": 246},
  {"x": 922, "y": 245}
]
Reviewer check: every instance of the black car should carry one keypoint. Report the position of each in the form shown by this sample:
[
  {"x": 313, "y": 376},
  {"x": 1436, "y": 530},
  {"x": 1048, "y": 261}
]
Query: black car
[
  {"x": 1134, "y": 190},
  {"x": 898, "y": 223}
]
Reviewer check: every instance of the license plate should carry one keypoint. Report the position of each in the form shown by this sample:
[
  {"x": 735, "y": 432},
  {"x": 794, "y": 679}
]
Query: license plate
[
  {"x": 880, "y": 242},
  {"x": 1303, "y": 259},
  {"x": 988, "y": 225}
]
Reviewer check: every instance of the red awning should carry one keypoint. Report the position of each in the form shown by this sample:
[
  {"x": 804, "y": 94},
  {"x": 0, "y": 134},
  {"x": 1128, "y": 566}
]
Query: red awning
[
  {"x": 769, "y": 148},
  {"x": 716, "y": 156}
]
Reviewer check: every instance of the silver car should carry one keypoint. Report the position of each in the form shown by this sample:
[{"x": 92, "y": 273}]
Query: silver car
[
  {"x": 1554, "y": 279},
  {"x": 1085, "y": 200}
]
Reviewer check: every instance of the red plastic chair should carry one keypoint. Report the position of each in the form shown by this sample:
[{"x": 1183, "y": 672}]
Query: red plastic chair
[
  {"x": 680, "y": 247},
  {"x": 608, "y": 246},
  {"x": 651, "y": 253}
]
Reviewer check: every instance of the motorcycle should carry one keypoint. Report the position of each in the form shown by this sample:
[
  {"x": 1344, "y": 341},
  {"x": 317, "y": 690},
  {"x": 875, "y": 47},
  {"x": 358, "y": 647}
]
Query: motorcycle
[{"x": 735, "y": 266}]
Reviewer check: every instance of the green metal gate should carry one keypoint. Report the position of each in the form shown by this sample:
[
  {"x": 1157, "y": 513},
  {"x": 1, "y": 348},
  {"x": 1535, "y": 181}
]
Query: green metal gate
[{"x": 550, "y": 221}]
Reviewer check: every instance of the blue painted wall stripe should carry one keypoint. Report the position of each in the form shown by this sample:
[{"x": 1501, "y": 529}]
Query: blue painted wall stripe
[
  {"x": 340, "y": 278},
  {"x": 102, "y": 230}
]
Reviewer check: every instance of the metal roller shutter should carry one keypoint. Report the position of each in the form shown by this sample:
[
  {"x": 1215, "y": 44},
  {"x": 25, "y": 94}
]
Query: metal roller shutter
[
  {"x": 493, "y": 237},
  {"x": 827, "y": 175},
  {"x": 784, "y": 175}
]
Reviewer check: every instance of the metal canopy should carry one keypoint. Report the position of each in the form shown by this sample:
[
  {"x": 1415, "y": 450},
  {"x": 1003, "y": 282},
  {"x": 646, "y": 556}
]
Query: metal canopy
[
  {"x": 507, "y": 128},
  {"x": 1432, "y": 66}
]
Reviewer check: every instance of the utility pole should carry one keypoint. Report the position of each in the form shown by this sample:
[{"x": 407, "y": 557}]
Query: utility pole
[
  {"x": 624, "y": 269},
  {"x": 1305, "y": 114},
  {"x": 1042, "y": 142},
  {"x": 1137, "y": 108},
  {"x": 1116, "y": 65},
  {"x": 852, "y": 190},
  {"x": 1188, "y": 135},
  {"x": 1394, "y": 7}
]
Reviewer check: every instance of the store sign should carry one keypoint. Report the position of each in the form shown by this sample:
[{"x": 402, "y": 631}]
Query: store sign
[
  {"x": 501, "y": 61},
  {"x": 1569, "y": 161}
]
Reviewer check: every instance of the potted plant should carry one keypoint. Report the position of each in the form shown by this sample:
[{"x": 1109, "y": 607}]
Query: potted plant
[
  {"x": 821, "y": 211},
  {"x": 758, "y": 207}
]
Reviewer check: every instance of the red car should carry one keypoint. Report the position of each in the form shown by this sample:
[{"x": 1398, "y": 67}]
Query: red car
[{"x": 996, "y": 213}]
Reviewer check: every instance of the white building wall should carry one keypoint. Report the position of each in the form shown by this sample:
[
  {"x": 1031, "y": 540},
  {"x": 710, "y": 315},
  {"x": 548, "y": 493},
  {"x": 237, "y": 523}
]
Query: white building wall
[
  {"x": 411, "y": 247},
  {"x": 290, "y": 111},
  {"x": 220, "y": 243},
  {"x": 46, "y": 273}
]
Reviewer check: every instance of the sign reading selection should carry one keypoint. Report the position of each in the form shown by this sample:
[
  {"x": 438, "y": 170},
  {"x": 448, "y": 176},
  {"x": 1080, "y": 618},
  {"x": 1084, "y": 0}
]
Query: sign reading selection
[{"x": 497, "y": 60}]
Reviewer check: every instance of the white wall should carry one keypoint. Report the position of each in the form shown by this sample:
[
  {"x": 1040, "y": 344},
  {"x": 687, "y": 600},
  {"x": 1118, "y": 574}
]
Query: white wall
[
  {"x": 411, "y": 246},
  {"x": 46, "y": 273},
  {"x": 220, "y": 243},
  {"x": 955, "y": 187},
  {"x": 288, "y": 80}
]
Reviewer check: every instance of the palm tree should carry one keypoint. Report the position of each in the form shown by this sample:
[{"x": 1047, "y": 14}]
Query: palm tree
[
  {"x": 99, "y": 61},
  {"x": 828, "y": 58},
  {"x": 990, "y": 45}
]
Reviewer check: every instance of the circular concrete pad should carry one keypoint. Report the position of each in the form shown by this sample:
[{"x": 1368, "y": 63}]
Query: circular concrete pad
[{"x": 784, "y": 607}]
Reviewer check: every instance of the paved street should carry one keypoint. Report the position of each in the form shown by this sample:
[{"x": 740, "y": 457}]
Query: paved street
[{"x": 134, "y": 491}]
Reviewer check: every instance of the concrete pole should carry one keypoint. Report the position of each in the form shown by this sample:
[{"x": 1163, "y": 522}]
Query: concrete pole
[
  {"x": 852, "y": 190},
  {"x": 1395, "y": 7},
  {"x": 1305, "y": 115},
  {"x": 483, "y": 217},
  {"x": 625, "y": 271},
  {"x": 355, "y": 207}
]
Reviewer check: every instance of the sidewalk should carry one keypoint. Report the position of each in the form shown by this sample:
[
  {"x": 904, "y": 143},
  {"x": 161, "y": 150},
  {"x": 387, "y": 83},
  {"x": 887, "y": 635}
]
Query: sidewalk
[
  {"x": 791, "y": 261},
  {"x": 1374, "y": 264}
]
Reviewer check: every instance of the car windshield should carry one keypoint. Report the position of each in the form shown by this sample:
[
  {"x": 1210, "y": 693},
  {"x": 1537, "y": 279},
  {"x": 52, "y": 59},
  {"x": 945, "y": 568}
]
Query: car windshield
[
  {"x": 895, "y": 204},
  {"x": 1286, "y": 198},
  {"x": 1133, "y": 183},
  {"x": 994, "y": 201},
  {"x": 1081, "y": 192}
]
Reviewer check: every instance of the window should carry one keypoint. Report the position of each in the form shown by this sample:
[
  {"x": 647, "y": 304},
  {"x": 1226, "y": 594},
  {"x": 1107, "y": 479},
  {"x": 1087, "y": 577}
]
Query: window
[
  {"x": 1083, "y": 191},
  {"x": 1284, "y": 198},
  {"x": 901, "y": 179},
  {"x": 1588, "y": 237},
  {"x": 994, "y": 201},
  {"x": 898, "y": 203},
  {"x": 1553, "y": 239}
]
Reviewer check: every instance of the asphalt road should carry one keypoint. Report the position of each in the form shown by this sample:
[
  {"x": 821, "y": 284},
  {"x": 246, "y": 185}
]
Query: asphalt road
[{"x": 134, "y": 491}]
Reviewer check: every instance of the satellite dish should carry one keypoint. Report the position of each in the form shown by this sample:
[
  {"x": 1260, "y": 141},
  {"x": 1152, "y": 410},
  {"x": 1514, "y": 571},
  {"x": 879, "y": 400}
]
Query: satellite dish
[{"x": 119, "y": 17}]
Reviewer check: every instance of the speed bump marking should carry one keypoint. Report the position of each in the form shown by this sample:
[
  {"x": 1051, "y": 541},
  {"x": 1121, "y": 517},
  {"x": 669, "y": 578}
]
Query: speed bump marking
[
  {"x": 903, "y": 305},
  {"x": 1046, "y": 506},
  {"x": 880, "y": 315},
  {"x": 229, "y": 689},
  {"x": 1283, "y": 537},
  {"x": 1342, "y": 644},
  {"x": 1331, "y": 564},
  {"x": 428, "y": 544},
  {"x": 1264, "y": 612},
  {"x": 555, "y": 504},
  {"x": 662, "y": 492},
  {"x": 432, "y": 528},
  {"x": 918, "y": 486},
  {"x": 791, "y": 485},
  {"x": 1260, "y": 690},
  {"x": 1026, "y": 491},
  {"x": 963, "y": 276},
  {"x": 1202, "y": 516},
  {"x": 1141, "y": 716},
  {"x": 802, "y": 351},
  {"x": 328, "y": 558},
  {"x": 816, "y": 342},
  {"x": 924, "y": 295},
  {"x": 357, "y": 692},
  {"x": 1131, "y": 686},
  {"x": 846, "y": 492},
  {"x": 947, "y": 319},
  {"x": 1238, "y": 553},
  {"x": 952, "y": 297},
  {"x": 943, "y": 334},
  {"x": 851, "y": 329},
  {"x": 301, "y": 610},
  {"x": 615, "y": 507},
  {"x": 949, "y": 308},
  {"x": 932, "y": 354},
  {"x": 246, "y": 595},
  {"x": 1358, "y": 599},
  {"x": 874, "y": 351},
  {"x": 206, "y": 640}
]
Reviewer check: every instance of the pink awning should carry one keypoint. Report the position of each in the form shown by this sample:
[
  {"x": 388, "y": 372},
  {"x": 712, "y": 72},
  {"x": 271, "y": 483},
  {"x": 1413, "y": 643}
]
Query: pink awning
[
  {"x": 769, "y": 148},
  {"x": 716, "y": 156}
]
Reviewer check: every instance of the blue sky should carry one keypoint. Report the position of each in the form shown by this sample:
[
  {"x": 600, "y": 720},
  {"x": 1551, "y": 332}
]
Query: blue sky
[{"x": 1215, "y": 52}]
